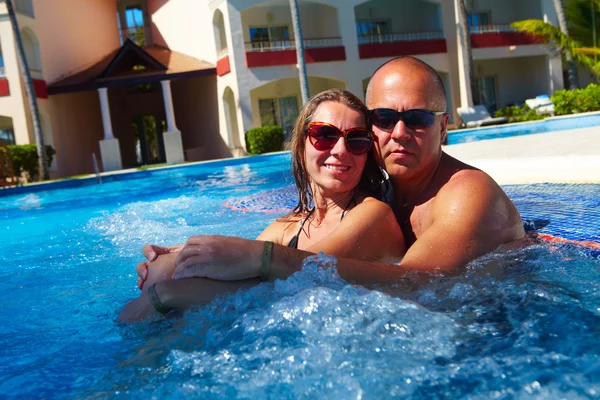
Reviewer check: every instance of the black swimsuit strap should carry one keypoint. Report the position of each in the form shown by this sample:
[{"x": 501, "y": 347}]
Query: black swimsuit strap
[
  {"x": 294, "y": 242},
  {"x": 353, "y": 202}
]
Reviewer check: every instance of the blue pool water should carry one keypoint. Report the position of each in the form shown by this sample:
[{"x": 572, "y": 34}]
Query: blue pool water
[
  {"x": 517, "y": 324},
  {"x": 525, "y": 128}
]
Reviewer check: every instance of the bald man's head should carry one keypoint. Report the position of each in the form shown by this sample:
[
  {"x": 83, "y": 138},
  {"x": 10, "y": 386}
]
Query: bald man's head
[{"x": 412, "y": 68}]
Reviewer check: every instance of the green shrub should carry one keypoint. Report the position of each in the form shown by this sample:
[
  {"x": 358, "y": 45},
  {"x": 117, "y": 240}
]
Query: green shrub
[
  {"x": 264, "y": 139},
  {"x": 577, "y": 101},
  {"x": 518, "y": 114},
  {"x": 25, "y": 159}
]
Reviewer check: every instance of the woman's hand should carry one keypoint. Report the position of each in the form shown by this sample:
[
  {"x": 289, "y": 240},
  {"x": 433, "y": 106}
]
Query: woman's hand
[
  {"x": 152, "y": 252},
  {"x": 219, "y": 257}
]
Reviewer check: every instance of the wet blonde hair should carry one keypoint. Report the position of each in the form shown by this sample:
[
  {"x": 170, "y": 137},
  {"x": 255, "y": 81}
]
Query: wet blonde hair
[{"x": 372, "y": 176}]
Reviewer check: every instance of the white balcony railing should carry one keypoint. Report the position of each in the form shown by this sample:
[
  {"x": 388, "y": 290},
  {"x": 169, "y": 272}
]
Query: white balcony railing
[
  {"x": 491, "y": 29},
  {"x": 400, "y": 37},
  {"x": 267, "y": 45}
]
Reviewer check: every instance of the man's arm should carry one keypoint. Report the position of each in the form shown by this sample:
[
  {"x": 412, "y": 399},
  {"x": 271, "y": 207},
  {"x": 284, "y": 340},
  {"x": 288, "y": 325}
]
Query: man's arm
[{"x": 470, "y": 216}]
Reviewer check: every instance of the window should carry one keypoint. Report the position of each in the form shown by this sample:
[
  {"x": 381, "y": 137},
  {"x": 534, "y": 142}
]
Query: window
[
  {"x": 478, "y": 18},
  {"x": 486, "y": 88},
  {"x": 372, "y": 28},
  {"x": 7, "y": 136},
  {"x": 134, "y": 28},
  {"x": 270, "y": 37},
  {"x": 282, "y": 111}
]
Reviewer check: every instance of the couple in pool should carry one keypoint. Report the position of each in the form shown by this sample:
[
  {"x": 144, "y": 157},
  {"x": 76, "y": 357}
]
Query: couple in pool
[{"x": 440, "y": 213}]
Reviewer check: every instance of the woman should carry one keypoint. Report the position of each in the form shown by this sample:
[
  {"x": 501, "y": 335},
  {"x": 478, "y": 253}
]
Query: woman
[{"x": 338, "y": 211}]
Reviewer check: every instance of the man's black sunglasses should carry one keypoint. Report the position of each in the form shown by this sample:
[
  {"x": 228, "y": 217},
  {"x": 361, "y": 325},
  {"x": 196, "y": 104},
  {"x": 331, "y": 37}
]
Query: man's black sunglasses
[{"x": 387, "y": 118}]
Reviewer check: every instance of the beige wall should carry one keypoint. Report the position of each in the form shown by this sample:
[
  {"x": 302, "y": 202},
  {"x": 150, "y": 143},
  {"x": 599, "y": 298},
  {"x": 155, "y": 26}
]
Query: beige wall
[
  {"x": 184, "y": 26},
  {"x": 318, "y": 21},
  {"x": 197, "y": 116},
  {"x": 77, "y": 127},
  {"x": 289, "y": 87},
  {"x": 517, "y": 79},
  {"x": 12, "y": 106},
  {"x": 404, "y": 16},
  {"x": 74, "y": 34},
  {"x": 507, "y": 11}
]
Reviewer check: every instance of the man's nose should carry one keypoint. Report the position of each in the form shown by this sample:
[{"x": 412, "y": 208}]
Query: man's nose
[{"x": 400, "y": 131}]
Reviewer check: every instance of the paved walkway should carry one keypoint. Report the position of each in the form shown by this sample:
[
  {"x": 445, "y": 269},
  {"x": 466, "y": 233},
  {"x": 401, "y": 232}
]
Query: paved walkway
[{"x": 562, "y": 156}]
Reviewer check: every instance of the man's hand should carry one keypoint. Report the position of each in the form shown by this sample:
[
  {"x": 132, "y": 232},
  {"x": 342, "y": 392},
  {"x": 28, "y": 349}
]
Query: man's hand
[
  {"x": 151, "y": 252},
  {"x": 219, "y": 257}
]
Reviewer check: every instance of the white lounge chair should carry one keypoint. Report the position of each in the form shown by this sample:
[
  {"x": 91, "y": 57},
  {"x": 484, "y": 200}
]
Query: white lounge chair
[
  {"x": 476, "y": 116},
  {"x": 541, "y": 104}
]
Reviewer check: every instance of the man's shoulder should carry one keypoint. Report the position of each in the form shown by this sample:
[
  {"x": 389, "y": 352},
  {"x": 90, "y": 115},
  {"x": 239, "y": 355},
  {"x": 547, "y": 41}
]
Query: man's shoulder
[{"x": 465, "y": 183}]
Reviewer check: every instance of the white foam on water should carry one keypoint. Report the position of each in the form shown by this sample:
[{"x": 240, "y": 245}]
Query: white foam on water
[
  {"x": 162, "y": 222},
  {"x": 310, "y": 335}
]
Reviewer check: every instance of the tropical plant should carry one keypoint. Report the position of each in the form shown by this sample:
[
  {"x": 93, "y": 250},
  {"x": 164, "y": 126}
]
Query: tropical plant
[
  {"x": 562, "y": 24},
  {"x": 570, "y": 47},
  {"x": 581, "y": 18},
  {"x": 519, "y": 114},
  {"x": 25, "y": 159},
  {"x": 29, "y": 90}
]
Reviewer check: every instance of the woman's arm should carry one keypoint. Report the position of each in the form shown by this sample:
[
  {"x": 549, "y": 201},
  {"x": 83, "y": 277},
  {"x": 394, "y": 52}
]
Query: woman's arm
[{"x": 368, "y": 232}]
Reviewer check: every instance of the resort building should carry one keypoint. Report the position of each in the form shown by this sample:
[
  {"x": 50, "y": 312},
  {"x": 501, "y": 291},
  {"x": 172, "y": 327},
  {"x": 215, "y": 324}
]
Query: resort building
[{"x": 135, "y": 82}]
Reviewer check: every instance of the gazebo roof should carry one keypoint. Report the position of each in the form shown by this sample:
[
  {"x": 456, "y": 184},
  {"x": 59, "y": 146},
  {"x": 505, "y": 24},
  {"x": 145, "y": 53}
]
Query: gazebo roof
[{"x": 133, "y": 65}]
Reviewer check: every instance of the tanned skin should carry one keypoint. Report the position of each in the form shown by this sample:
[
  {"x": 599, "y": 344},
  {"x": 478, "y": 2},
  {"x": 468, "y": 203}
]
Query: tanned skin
[{"x": 449, "y": 212}]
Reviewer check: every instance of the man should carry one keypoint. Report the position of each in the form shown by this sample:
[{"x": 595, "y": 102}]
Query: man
[{"x": 449, "y": 212}]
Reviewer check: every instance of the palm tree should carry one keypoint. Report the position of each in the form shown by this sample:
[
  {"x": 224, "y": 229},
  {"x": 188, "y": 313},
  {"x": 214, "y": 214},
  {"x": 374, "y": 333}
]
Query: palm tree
[
  {"x": 466, "y": 45},
  {"x": 299, "y": 51},
  {"x": 562, "y": 24},
  {"x": 563, "y": 43},
  {"x": 581, "y": 18},
  {"x": 35, "y": 114}
]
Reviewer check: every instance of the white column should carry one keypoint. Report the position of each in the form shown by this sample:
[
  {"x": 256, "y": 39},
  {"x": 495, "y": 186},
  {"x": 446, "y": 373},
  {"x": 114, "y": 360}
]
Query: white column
[
  {"x": 106, "y": 122},
  {"x": 172, "y": 137},
  {"x": 109, "y": 146},
  {"x": 170, "y": 113}
]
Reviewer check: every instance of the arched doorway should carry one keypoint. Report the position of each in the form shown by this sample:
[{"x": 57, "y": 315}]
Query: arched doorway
[{"x": 233, "y": 133}]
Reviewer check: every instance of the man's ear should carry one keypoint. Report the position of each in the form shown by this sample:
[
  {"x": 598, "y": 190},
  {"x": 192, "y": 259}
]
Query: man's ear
[{"x": 444, "y": 129}]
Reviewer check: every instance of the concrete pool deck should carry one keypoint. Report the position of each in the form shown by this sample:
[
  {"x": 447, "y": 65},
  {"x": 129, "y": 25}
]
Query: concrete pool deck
[{"x": 571, "y": 156}]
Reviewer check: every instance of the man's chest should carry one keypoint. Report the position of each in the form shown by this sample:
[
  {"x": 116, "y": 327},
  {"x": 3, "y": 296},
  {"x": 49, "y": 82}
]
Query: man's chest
[{"x": 414, "y": 221}]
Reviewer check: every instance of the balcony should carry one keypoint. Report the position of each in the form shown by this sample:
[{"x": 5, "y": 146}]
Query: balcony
[
  {"x": 283, "y": 52},
  {"x": 401, "y": 44},
  {"x": 483, "y": 36}
]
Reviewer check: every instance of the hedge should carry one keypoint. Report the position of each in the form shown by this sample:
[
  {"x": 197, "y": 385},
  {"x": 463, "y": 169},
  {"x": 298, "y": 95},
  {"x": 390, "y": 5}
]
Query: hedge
[
  {"x": 25, "y": 159},
  {"x": 565, "y": 102},
  {"x": 264, "y": 139}
]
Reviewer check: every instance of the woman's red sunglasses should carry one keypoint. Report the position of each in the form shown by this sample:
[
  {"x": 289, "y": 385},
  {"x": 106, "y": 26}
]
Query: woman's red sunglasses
[{"x": 324, "y": 136}]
